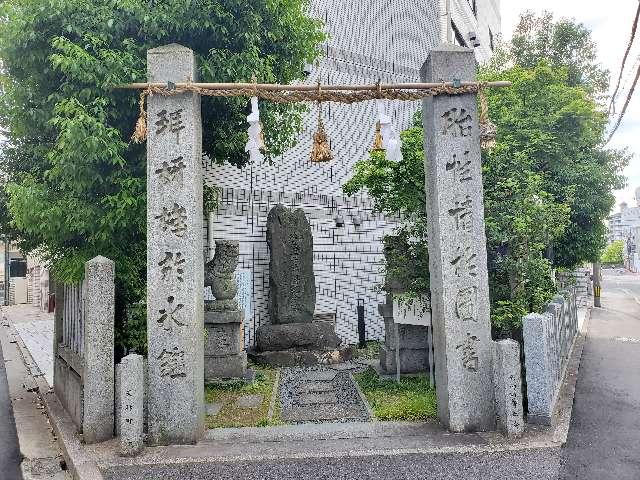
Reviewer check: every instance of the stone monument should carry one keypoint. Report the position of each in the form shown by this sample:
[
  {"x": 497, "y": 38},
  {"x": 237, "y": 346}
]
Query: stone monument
[
  {"x": 175, "y": 275},
  {"x": 131, "y": 405},
  {"x": 294, "y": 336},
  {"x": 457, "y": 247},
  {"x": 224, "y": 355}
]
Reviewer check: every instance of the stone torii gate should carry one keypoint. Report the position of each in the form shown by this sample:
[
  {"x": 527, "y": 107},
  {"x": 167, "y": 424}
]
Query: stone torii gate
[{"x": 457, "y": 250}]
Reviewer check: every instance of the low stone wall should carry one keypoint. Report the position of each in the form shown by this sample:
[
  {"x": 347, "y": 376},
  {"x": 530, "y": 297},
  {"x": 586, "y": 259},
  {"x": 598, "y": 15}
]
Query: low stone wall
[{"x": 548, "y": 341}]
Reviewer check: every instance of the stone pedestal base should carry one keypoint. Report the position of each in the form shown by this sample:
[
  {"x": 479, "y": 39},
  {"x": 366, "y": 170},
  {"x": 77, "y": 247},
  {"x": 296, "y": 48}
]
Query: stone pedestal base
[
  {"x": 411, "y": 360},
  {"x": 224, "y": 355},
  {"x": 414, "y": 345},
  {"x": 301, "y": 357}
]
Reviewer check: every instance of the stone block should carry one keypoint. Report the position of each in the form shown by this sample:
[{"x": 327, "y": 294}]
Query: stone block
[
  {"x": 457, "y": 246},
  {"x": 297, "y": 335},
  {"x": 249, "y": 401},
  {"x": 411, "y": 360},
  {"x": 538, "y": 365},
  {"x": 223, "y": 339},
  {"x": 175, "y": 273},
  {"x": 412, "y": 337},
  {"x": 292, "y": 290},
  {"x": 98, "y": 377},
  {"x": 292, "y": 358},
  {"x": 507, "y": 380},
  {"x": 131, "y": 404},
  {"x": 229, "y": 316},
  {"x": 227, "y": 366}
]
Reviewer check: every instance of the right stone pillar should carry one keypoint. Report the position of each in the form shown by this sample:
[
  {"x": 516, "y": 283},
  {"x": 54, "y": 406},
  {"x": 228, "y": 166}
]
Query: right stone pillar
[{"x": 457, "y": 247}]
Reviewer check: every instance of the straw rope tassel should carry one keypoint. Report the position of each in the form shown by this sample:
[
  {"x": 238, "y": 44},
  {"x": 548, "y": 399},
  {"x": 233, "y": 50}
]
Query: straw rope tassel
[
  {"x": 488, "y": 129},
  {"x": 321, "y": 151},
  {"x": 140, "y": 133}
]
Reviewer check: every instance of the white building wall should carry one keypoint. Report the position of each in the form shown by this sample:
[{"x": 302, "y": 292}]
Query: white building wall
[{"x": 370, "y": 40}]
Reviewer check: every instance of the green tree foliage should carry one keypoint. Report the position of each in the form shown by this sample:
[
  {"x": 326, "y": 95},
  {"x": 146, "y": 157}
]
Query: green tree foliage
[
  {"x": 547, "y": 187},
  {"x": 561, "y": 44},
  {"x": 76, "y": 184},
  {"x": 613, "y": 253}
]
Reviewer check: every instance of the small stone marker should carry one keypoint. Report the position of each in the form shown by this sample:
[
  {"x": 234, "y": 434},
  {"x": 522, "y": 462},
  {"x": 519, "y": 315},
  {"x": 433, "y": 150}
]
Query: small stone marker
[
  {"x": 508, "y": 387},
  {"x": 457, "y": 247},
  {"x": 131, "y": 404},
  {"x": 320, "y": 394},
  {"x": 99, "y": 373},
  {"x": 212, "y": 409},
  {"x": 175, "y": 274}
]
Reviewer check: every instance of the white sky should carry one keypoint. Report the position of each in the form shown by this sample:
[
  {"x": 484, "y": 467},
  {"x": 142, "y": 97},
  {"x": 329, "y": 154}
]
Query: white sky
[{"x": 611, "y": 30}]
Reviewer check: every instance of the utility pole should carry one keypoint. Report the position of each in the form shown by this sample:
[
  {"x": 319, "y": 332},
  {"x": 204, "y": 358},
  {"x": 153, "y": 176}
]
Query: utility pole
[
  {"x": 596, "y": 284},
  {"x": 449, "y": 30},
  {"x": 6, "y": 270}
]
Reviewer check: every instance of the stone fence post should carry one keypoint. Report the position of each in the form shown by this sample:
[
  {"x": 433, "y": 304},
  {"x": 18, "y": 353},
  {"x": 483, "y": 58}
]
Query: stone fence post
[{"x": 98, "y": 378}]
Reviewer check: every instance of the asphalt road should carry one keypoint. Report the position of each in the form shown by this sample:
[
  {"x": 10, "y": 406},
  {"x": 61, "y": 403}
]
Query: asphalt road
[
  {"x": 604, "y": 438},
  {"x": 10, "y": 457}
]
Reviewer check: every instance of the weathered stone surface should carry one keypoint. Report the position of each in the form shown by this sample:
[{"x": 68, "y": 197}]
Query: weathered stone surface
[
  {"x": 292, "y": 290},
  {"x": 413, "y": 337},
  {"x": 99, "y": 376},
  {"x": 508, "y": 387},
  {"x": 457, "y": 247},
  {"x": 320, "y": 394},
  {"x": 297, "y": 335},
  {"x": 249, "y": 401},
  {"x": 223, "y": 339},
  {"x": 291, "y": 358},
  {"x": 212, "y": 409},
  {"x": 175, "y": 274},
  {"x": 232, "y": 316},
  {"x": 411, "y": 361},
  {"x": 219, "y": 275},
  {"x": 227, "y": 366},
  {"x": 131, "y": 404}
]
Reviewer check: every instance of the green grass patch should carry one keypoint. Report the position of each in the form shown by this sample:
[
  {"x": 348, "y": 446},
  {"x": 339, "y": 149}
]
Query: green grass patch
[
  {"x": 412, "y": 399},
  {"x": 232, "y": 416},
  {"x": 370, "y": 351}
]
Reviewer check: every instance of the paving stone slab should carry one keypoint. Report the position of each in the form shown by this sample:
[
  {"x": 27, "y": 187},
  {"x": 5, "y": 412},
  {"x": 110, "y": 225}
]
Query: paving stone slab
[
  {"x": 249, "y": 401},
  {"x": 212, "y": 409},
  {"x": 318, "y": 395}
]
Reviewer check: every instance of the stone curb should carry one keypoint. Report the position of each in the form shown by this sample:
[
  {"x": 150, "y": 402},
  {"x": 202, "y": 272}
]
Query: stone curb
[
  {"x": 72, "y": 449},
  {"x": 363, "y": 399}
]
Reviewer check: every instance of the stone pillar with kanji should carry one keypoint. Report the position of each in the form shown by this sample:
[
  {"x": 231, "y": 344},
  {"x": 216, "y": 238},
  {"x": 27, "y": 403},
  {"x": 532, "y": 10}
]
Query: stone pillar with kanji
[
  {"x": 175, "y": 275},
  {"x": 457, "y": 247}
]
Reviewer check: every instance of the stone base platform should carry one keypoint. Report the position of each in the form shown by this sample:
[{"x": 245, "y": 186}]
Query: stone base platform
[
  {"x": 302, "y": 357},
  {"x": 227, "y": 366},
  {"x": 310, "y": 335},
  {"x": 411, "y": 360},
  {"x": 224, "y": 355}
]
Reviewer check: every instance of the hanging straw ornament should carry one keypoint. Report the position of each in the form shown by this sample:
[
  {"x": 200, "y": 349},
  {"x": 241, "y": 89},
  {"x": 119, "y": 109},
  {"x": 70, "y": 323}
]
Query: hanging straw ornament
[
  {"x": 391, "y": 141},
  {"x": 488, "y": 129},
  {"x": 140, "y": 133},
  {"x": 255, "y": 144},
  {"x": 321, "y": 151}
]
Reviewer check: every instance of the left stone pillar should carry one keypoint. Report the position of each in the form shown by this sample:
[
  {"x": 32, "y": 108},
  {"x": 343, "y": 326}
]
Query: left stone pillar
[
  {"x": 175, "y": 274},
  {"x": 98, "y": 378}
]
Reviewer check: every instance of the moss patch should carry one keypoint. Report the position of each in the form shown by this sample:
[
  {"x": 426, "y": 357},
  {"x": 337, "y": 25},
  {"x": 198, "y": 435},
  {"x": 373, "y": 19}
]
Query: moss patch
[
  {"x": 232, "y": 416},
  {"x": 412, "y": 399},
  {"x": 370, "y": 351}
]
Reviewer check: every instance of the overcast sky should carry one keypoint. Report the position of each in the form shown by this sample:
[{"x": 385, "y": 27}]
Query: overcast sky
[{"x": 611, "y": 29}]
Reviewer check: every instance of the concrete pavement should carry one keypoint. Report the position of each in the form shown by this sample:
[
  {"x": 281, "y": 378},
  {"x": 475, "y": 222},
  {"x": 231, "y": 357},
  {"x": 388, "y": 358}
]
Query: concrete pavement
[
  {"x": 604, "y": 434},
  {"x": 10, "y": 457}
]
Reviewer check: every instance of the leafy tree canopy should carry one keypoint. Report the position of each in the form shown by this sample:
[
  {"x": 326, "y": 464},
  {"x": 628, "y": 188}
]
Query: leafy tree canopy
[
  {"x": 613, "y": 253},
  {"x": 76, "y": 184},
  {"x": 561, "y": 43},
  {"x": 548, "y": 187}
]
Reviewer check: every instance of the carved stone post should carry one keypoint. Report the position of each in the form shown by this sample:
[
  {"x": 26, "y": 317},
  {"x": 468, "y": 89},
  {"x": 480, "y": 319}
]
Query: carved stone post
[
  {"x": 175, "y": 328},
  {"x": 457, "y": 247}
]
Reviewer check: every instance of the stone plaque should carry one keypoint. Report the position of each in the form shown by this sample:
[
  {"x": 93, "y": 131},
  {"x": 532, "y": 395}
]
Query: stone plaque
[
  {"x": 457, "y": 247},
  {"x": 174, "y": 253}
]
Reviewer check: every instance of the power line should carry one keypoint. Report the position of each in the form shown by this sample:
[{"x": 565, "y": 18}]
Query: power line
[
  {"x": 626, "y": 54},
  {"x": 626, "y": 104}
]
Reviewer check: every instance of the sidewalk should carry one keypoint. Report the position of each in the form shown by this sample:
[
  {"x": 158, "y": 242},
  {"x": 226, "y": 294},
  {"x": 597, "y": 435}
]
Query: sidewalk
[{"x": 38, "y": 445}]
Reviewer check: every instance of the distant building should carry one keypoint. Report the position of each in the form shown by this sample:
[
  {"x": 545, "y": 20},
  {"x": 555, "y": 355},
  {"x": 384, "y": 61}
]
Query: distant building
[
  {"x": 625, "y": 225},
  {"x": 368, "y": 41}
]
